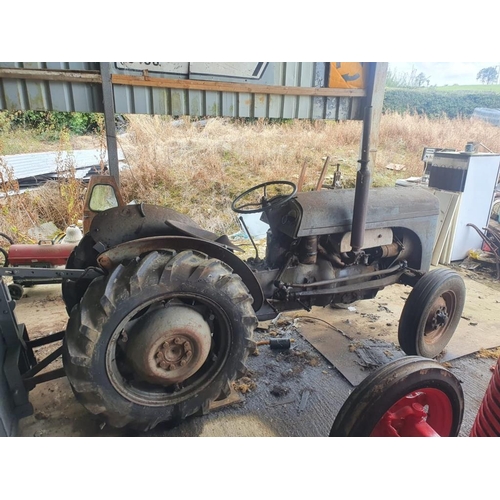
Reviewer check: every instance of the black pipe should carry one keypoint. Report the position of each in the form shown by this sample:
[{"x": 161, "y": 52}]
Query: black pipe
[
  {"x": 363, "y": 178},
  {"x": 378, "y": 272}
]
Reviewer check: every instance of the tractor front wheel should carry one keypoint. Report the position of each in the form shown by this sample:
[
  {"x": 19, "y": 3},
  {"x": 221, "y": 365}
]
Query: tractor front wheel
[
  {"x": 431, "y": 313},
  {"x": 408, "y": 397}
]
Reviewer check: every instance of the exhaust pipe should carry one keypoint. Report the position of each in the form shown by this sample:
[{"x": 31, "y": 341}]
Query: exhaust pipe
[{"x": 363, "y": 178}]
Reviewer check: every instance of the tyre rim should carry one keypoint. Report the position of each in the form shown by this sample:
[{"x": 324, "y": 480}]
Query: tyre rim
[
  {"x": 439, "y": 317},
  {"x": 181, "y": 362},
  {"x": 423, "y": 413}
]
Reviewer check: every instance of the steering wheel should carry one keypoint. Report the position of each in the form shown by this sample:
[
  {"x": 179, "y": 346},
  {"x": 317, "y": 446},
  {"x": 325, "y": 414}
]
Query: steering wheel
[{"x": 265, "y": 203}]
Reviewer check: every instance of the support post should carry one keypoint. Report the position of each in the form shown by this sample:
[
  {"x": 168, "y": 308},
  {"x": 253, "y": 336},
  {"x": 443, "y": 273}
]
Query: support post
[
  {"x": 371, "y": 122},
  {"x": 375, "y": 98},
  {"x": 363, "y": 180},
  {"x": 109, "y": 120}
]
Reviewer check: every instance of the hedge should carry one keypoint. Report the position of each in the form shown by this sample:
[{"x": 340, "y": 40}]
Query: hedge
[{"x": 435, "y": 103}]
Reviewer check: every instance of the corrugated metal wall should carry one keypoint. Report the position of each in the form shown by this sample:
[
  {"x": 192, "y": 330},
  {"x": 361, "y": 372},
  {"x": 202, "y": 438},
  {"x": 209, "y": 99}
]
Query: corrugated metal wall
[
  {"x": 16, "y": 93},
  {"x": 50, "y": 95},
  {"x": 150, "y": 100}
]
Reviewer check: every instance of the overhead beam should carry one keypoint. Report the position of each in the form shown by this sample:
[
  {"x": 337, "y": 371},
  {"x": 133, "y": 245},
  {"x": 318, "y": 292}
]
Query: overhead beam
[
  {"x": 52, "y": 75},
  {"x": 248, "y": 88},
  {"x": 147, "y": 81}
]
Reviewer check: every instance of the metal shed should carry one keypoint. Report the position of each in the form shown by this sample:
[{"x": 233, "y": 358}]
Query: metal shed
[{"x": 285, "y": 90}]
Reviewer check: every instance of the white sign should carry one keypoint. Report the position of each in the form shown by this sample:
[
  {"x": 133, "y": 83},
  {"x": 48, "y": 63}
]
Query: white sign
[
  {"x": 229, "y": 69},
  {"x": 180, "y": 68},
  {"x": 252, "y": 70}
]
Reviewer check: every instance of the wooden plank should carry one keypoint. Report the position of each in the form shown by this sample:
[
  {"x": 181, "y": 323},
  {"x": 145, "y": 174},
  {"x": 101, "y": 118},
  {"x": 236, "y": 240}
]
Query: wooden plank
[
  {"x": 148, "y": 81},
  {"x": 44, "y": 74},
  {"x": 302, "y": 176},
  {"x": 322, "y": 176}
]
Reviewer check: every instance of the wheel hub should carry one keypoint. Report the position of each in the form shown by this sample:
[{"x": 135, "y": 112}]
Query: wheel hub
[
  {"x": 437, "y": 321},
  {"x": 168, "y": 344},
  {"x": 174, "y": 353},
  {"x": 440, "y": 318},
  {"x": 407, "y": 417}
]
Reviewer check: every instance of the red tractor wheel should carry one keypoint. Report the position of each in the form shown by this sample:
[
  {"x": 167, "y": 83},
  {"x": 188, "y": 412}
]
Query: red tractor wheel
[{"x": 409, "y": 397}]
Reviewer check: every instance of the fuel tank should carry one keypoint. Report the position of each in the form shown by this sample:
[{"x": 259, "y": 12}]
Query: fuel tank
[{"x": 40, "y": 255}]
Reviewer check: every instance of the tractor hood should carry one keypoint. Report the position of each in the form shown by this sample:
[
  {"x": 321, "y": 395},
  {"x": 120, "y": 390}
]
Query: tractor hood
[{"x": 328, "y": 212}]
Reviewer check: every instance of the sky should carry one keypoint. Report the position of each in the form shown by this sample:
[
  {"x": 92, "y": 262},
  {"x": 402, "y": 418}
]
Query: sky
[{"x": 444, "y": 73}]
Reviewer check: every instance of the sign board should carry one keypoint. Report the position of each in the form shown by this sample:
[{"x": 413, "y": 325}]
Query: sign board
[{"x": 236, "y": 70}]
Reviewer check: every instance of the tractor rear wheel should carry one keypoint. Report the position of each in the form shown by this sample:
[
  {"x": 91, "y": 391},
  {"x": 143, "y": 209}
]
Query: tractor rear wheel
[
  {"x": 82, "y": 257},
  {"x": 431, "y": 313},
  {"x": 159, "y": 339}
]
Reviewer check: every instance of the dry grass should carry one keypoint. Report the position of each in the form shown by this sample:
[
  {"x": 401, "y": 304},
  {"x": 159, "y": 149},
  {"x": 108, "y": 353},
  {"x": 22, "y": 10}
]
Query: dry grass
[
  {"x": 489, "y": 353},
  {"x": 403, "y": 138},
  {"x": 198, "y": 170},
  {"x": 59, "y": 202}
]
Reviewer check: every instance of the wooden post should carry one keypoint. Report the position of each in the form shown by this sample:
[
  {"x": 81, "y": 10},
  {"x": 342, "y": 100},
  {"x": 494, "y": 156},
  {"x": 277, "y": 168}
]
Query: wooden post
[
  {"x": 323, "y": 174},
  {"x": 300, "y": 183}
]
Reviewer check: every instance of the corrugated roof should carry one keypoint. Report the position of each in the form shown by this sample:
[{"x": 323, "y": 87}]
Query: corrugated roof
[{"x": 36, "y": 168}]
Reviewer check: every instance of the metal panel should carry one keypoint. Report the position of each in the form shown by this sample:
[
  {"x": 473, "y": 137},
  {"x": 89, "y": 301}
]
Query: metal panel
[
  {"x": 235, "y": 104},
  {"x": 291, "y": 78},
  {"x": 305, "y": 105},
  {"x": 144, "y": 88},
  {"x": 40, "y": 164},
  {"x": 50, "y": 95},
  {"x": 319, "y": 103}
]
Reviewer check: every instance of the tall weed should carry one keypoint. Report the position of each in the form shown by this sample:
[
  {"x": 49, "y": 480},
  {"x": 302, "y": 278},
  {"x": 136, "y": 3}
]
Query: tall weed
[{"x": 198, "y": 168}]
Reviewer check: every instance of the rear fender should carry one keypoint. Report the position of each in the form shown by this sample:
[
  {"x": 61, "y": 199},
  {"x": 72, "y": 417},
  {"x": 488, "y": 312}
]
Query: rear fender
[{"x": 135, "y": 248}]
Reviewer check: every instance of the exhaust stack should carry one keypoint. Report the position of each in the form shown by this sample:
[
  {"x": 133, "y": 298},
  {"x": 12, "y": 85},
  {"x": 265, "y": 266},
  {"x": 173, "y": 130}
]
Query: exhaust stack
[{"x": 363, "y": 178}]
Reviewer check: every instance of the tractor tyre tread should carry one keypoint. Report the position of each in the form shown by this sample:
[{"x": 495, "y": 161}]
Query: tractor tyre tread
[{"x": 109, "y": 299}]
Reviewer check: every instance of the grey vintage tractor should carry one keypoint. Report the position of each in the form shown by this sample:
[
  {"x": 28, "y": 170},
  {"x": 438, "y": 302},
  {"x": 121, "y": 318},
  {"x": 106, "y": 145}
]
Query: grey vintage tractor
[{"x": 166, "y": 326}]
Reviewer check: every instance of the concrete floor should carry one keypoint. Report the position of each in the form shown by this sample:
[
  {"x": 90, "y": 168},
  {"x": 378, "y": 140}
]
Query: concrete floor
[{"x": 293, "y": 393}]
